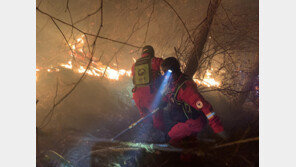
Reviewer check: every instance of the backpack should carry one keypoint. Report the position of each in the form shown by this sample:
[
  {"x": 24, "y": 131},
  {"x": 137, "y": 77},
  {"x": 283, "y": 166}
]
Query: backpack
[
  {"x": 142, "y": 72},
  {"x": 189, "y": 112}
]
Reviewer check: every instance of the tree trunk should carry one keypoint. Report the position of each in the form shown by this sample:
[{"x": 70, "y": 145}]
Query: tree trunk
[{"x": 200, "y": 39}]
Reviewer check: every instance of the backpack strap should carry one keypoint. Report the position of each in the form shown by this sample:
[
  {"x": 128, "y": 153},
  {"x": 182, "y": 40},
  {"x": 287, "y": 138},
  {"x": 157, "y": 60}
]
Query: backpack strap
[{"x": 185, "y": 107}]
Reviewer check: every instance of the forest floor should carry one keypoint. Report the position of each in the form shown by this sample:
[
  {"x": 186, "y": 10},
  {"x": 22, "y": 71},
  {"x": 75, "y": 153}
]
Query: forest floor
[
  {"x": 80, "y": 133},
  {"x": 89, "y": 148}
]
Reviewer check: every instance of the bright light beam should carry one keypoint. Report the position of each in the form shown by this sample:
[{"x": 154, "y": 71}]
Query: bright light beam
[
  {"x": 154, "y": 105},
  {"x": 158, "y": 97},
  {"x": 161, "y": 89}
]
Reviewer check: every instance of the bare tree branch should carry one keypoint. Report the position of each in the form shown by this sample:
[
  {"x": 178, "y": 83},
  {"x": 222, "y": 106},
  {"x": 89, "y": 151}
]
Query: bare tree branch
[
  {"x": 68, "y": 9},
  {"x": 86, "y": 33},
  {"x": 50, "y": 114},
  {"x": 64, "y": 37},
  {"x": 89, "y": 15},
  {"x": 237, "y": 142},
  {"x": 228, "y": 17},
  {"x": 148, "y": 23},
  {"x": 80, "y": 79},
  {"x": 180, "y": 20},
  {"x": 230, "y": 57}
]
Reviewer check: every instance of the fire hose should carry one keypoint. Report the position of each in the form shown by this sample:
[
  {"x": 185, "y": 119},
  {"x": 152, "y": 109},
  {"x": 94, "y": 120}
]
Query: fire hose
[{"x": 135, "y": 124}]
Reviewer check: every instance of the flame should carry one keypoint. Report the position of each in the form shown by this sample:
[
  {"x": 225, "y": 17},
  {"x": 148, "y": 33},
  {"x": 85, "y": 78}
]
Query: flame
[
  {"x": 37, "y": 75},
  {"x": 68, "y": 65},
  {"x": 96, "y": 69},
  {"x": 129, "y": 73},
  {"x": 208, "y": 80},
  {"x": 80, "y": 40},
  {"x": 112, "y": 74}
]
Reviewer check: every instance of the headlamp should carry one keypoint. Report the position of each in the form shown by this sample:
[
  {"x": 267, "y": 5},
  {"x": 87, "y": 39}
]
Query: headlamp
[{"x": 163, "y": 72}]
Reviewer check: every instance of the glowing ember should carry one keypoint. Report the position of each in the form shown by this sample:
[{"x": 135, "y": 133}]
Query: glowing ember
[
  {"x": 208, "y": 80},
  {"x": 37, "y": 75},
  {"x": 68, "y": 65},
  {"x": 129, "y": 73},
  {"x": 81, "y": 69},
  {"x": 80, "y": 40}
]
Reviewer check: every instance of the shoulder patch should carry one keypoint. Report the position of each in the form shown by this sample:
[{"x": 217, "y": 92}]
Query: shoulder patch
[{"x": 199, "y": 104}]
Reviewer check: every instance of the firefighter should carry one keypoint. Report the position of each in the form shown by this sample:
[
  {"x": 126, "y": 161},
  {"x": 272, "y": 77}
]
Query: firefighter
[
  {"x": 189, "y": 110},
  {"x": 146, "y": 78}
]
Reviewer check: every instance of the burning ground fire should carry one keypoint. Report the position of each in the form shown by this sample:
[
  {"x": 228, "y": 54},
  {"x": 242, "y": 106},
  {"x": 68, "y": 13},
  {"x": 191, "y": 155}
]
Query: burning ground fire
[
  {"x": 97, "y": 69},
  {"x": 207, "y": 80}
]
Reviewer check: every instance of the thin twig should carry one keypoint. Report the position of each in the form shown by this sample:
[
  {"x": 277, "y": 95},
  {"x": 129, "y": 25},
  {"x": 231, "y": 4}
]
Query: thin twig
[
  {"x": 89, "y": 15},
  {"x": 51, "y": 112},
  {"x": 115, "y": 54},
  {"x": 39, "y": 3},
  {"x": 80, "y": 79},
  {"x": 64, "y": 38},
  {"x": 230, "y": 57},
  {"x": 86, "y": 33},
  {"x": 180, "y": 20},
  {"x": 228, "y": 17},
  {"x": 67, "y": 8},
  {"x": 148, "y": 23}
]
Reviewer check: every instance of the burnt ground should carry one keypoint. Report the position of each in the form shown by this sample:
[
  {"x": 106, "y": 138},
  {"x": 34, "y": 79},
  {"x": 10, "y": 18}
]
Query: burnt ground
[{"x": 79, "y": 133}]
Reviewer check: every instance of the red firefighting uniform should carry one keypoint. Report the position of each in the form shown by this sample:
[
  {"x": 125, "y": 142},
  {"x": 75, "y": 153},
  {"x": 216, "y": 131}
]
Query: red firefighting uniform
[
  {"x": 144, "y": 96},
  {"x": 189, "y": 94}
]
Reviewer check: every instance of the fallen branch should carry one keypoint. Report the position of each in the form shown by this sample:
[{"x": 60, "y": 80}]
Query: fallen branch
[{"x": 236, "y": 142}]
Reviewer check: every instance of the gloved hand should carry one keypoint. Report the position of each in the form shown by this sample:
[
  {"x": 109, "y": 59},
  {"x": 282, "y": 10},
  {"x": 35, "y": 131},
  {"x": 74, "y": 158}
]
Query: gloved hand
[{"x": 223, "y": 135}]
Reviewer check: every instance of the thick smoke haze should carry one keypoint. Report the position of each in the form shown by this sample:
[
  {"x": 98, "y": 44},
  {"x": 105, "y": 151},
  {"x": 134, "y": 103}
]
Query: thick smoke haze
[{"x": 99, "y": 107}]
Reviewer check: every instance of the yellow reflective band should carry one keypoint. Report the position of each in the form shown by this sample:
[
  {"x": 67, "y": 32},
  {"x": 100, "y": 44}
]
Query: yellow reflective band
[{"x": 210, "y": 115}]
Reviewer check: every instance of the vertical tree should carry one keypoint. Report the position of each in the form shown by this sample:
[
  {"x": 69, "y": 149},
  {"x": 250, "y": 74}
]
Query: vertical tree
[{"x": 200, "y": 39}]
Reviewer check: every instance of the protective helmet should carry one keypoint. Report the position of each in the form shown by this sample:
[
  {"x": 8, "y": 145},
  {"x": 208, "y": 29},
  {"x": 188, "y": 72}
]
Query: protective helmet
[
  {"x": 171, "y": 63},
  {"x": 148, "y": 49}
]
